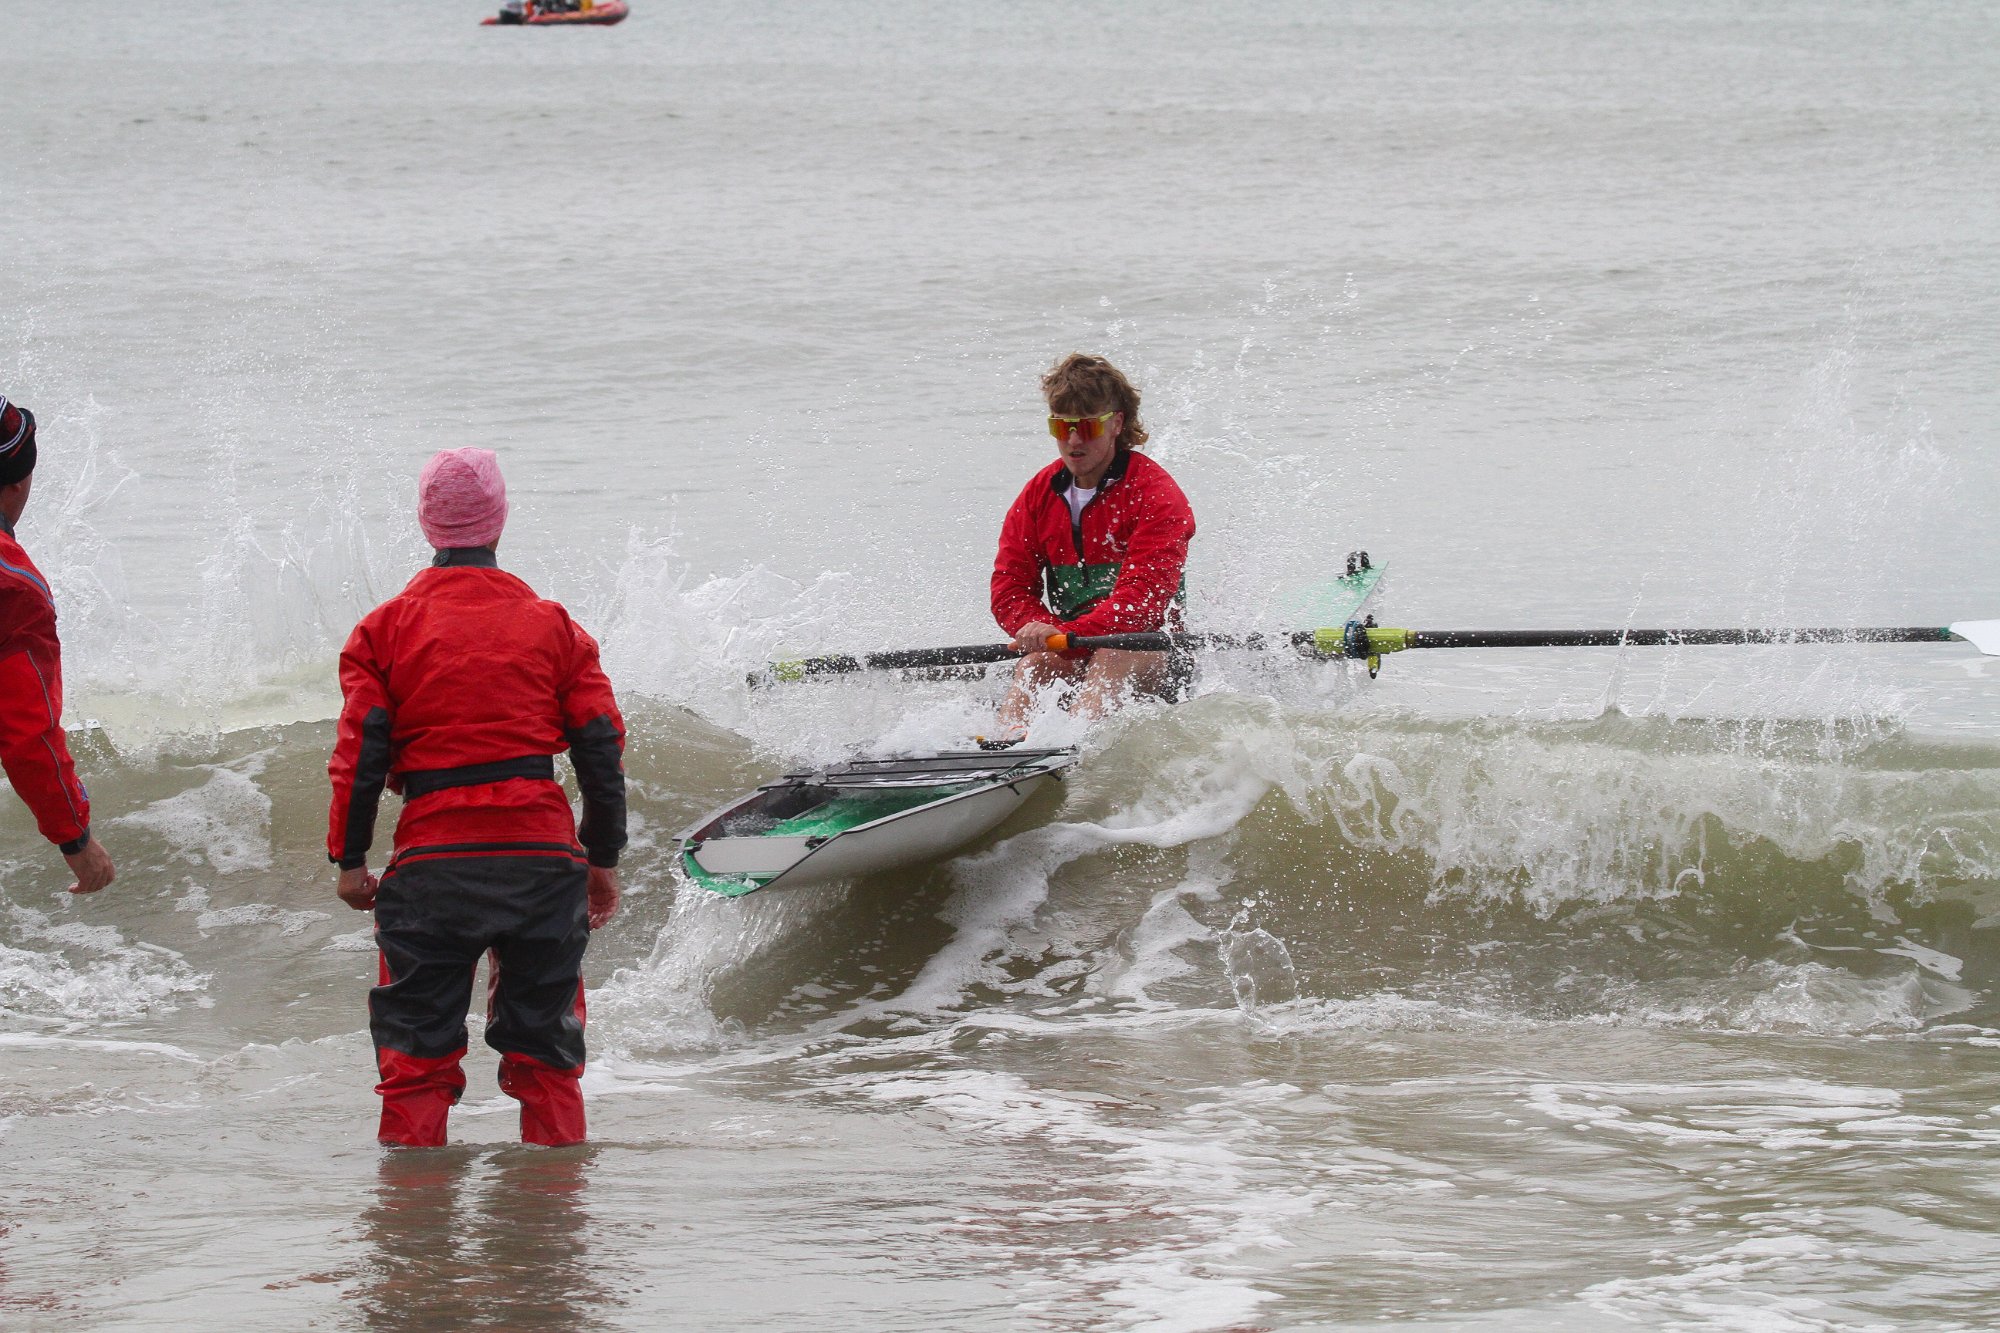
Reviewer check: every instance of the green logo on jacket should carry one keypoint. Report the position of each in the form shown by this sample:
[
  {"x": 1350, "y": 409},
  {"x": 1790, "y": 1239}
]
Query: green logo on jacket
[{"x": 1074, "y": 589}]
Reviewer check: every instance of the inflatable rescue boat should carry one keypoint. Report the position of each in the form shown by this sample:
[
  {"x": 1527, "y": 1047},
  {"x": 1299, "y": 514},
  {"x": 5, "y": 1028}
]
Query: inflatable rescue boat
[{"x": 559, "y": 14}]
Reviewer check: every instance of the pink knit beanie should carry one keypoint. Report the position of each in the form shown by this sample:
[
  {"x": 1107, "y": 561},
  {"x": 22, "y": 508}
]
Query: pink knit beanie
[{"x": 461, "y": 498}]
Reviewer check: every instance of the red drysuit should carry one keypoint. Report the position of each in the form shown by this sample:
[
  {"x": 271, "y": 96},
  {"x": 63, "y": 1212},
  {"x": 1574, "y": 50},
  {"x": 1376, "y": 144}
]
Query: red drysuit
[
  {"x": 32, "y": 747},
  {"x": 1115, "y": 569},
  {"x": 458, "y": 691}
]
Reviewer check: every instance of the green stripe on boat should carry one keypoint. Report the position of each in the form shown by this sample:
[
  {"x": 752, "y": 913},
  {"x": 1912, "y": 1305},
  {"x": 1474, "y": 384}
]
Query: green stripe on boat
[
  {"x": 729, "y": 886},
  {"x": 846, "y": 812}
]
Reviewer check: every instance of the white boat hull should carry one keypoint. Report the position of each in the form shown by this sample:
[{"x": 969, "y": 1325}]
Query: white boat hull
[{"x": 968, "y": 805}]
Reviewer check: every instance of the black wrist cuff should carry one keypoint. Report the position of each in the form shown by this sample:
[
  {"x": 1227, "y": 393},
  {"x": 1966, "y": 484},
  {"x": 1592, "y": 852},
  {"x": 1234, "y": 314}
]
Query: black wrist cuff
[{"x": 74, "y": 845}]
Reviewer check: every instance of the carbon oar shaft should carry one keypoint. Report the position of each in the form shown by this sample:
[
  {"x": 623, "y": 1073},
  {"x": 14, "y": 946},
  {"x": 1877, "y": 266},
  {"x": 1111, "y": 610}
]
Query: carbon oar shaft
[
  {"x": 1380, "y": 640},
  {"x": 839, "y": 664},
  {"x": 1663, "y": 638}
]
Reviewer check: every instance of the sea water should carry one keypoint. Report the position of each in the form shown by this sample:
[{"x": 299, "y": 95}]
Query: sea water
[{"x": 1510, "y": 990}]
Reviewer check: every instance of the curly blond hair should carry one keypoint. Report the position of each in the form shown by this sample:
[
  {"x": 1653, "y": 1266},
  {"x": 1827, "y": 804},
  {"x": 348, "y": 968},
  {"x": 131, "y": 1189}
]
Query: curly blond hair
[{"x": 1081, "y": 384}]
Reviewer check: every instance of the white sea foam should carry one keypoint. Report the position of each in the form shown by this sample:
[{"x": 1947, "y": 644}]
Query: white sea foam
[
  {"x": 1188, "y": 1204},
  {"x": 664, "y": 1000},
  {"x": 1199, "y": 796},
  {"x": 44, "y": 1040},
  {"x": 1151, "y": 953},
  {"x": 1778, "y": 1115},
  {"x": 1614, "y": 810},
  {"x": 259, "y": 914},
  {"x": 288, "y": 921},
  {"x": 1721, "y": 1290},
  {"x": 1931, "y": 960},
  {"x": 91, "y": 974},
  {"x": 1812, "y": 997},
  {"x": 225, "y": 822}
]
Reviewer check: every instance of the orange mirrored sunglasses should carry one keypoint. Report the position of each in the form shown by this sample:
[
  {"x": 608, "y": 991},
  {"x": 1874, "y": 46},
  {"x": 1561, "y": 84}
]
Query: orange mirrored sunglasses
[{"x": 1086, "y": 428}]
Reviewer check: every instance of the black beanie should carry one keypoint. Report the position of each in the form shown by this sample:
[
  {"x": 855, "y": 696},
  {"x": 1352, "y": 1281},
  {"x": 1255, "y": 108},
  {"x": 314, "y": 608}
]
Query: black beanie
[{"x": 17, "y": 442}]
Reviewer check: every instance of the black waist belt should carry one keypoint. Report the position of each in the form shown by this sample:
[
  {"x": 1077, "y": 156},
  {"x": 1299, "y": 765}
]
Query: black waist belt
[{"x": 427, "y": 780}]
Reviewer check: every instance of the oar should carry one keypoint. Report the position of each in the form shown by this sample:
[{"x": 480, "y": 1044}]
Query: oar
[{"x": 1358, "y": 640}]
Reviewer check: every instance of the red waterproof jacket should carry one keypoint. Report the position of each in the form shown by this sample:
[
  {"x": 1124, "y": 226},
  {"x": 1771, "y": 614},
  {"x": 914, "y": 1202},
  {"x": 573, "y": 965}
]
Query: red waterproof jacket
[
  {"x": 458, "y": 691},
  {"x": 1115, "y": 570},
  {"x": 32, "y": 747}
]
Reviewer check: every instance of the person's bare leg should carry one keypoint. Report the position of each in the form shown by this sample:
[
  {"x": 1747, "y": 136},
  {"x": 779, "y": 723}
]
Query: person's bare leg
[
  {"x": 1033, "y": 673},
  {"x": 1116, "y": 675}
]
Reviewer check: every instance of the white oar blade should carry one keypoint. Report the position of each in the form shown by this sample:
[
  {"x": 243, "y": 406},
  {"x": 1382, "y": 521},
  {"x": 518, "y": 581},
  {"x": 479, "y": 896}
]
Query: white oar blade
[{"x": 1981, "y": 634}]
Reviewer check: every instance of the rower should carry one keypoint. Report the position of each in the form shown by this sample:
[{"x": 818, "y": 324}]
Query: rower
[{"x": 1096, "y": 543}]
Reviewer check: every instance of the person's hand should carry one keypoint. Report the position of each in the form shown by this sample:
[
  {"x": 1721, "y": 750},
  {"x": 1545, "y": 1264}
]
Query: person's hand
[
  {"x": 91, "y": 865},
  {"x": 357, "y": 888},
  {"x": 1033, "y": 637},
  {"x": 604, "y": 895}
]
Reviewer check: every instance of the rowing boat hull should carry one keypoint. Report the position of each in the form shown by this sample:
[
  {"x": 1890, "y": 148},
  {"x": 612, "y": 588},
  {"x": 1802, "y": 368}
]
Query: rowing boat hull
[{"x": 801, "y": 832}]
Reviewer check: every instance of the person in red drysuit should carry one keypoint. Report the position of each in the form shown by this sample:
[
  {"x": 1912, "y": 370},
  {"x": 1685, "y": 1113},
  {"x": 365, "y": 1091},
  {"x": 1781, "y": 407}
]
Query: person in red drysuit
[
  {"x": 458, "y": 692},
  {"x": 1095, "y": 544},
  {"x": 33, "y": 750}
]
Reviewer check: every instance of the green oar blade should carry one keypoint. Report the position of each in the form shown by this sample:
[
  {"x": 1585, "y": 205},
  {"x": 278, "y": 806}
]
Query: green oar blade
[{"x": 1337, "y": 601}]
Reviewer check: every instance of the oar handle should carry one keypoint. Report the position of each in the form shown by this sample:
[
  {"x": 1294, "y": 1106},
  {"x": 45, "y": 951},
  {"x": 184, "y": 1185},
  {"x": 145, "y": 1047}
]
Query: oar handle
[{"x": 1162, "y": 642}]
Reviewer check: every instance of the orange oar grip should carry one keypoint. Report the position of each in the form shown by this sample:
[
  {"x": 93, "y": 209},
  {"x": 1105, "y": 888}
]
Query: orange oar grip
[{"x": 1057, "y": 643}]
